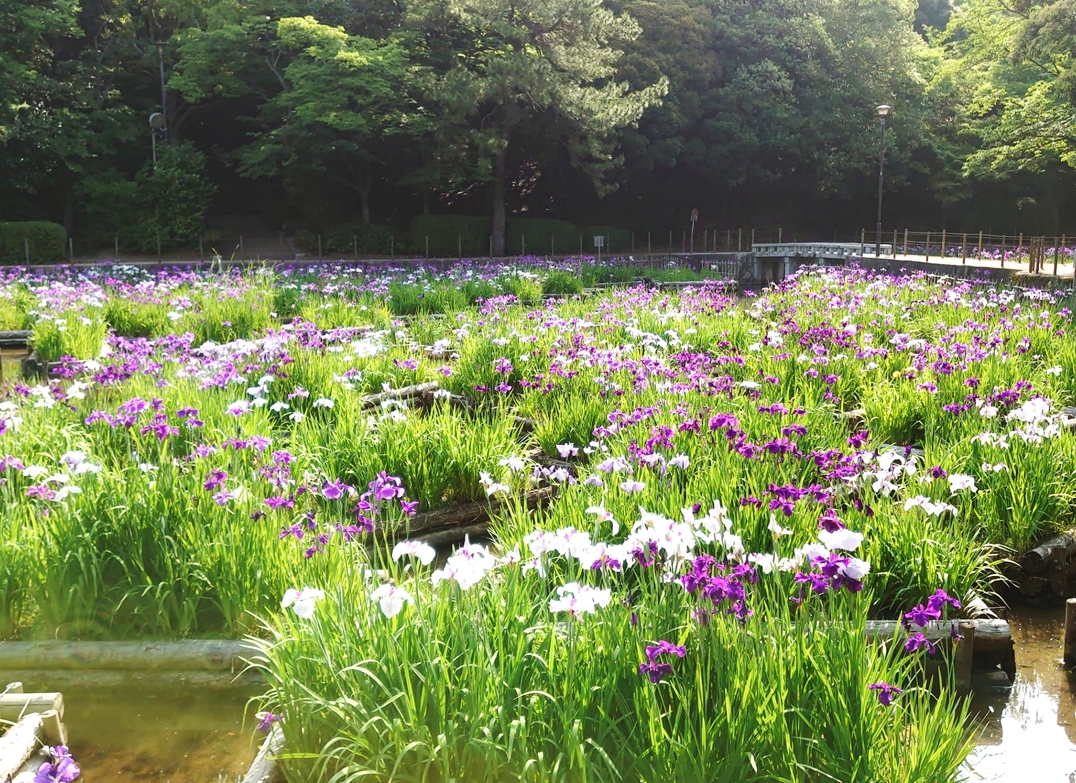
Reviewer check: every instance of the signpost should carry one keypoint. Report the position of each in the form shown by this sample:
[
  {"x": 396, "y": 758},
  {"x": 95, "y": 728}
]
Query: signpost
[{"x": 599, "y": 243}]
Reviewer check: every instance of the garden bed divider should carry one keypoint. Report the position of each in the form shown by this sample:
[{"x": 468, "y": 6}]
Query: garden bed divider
[
  {"x": 19, "y": 744},
  {"x": 989, "y": 643}
]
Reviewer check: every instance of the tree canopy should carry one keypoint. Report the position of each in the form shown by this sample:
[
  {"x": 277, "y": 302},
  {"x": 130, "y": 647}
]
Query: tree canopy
[{"x": 629, "y": 113}]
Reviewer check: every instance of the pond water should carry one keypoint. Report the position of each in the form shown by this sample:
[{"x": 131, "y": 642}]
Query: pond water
[
  {"x": 1028, "y": 732},
  {"x": 176, "y": 735}
]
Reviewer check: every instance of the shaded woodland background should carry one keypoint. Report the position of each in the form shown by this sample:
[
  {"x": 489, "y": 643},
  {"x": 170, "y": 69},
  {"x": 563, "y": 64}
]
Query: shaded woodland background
[{"x": 328, "y": 115}]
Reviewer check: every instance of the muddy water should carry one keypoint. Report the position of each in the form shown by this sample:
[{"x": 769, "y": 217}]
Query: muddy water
[
  {"x": 172, "y": 736},
  {"x": 1028, "y": 732}
]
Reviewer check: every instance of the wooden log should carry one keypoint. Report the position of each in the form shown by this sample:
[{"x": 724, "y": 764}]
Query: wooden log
[
  {"x": 993, "y": 646},
  {"x": 19, "y": 744},
  {"x": 464, "y": 514},
  {"x": 1040, "y": 558},
  {"x": 14, "y": 705},
  {"x": 963, "y": 657},
  {"x": 136, "y": 679},
  {"x": 264, "y": 767},
  {"x": 407, "y": 392},
  {"x": 190, "y": 655},
  {"x": 28, "y": 772},
  {"x": 989, "y": 634},
  {"x": 1070, "y": 633}
]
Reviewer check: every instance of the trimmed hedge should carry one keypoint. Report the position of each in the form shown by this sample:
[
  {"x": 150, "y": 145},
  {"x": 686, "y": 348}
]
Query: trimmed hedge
[
  {"x": 48, "y": 242},
  {"x": 451, "y": 235},
  {"x": 617, "y": 240},
  {"x": 537, "y": 232},
  {"x": 374, "y": 239}
]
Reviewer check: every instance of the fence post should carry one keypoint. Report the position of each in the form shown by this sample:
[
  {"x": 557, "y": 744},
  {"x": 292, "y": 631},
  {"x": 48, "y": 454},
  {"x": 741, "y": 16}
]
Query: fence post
[
  {"x": 71, "y": 249},
  {"x": 728, "y": 240},
  {"x": 523, "y": 244},
  {"x": 979, "y": 253},
  {"x": 459, "y": 246},
  {"x": 862, "y": 241},
  {"x": 1002, "y": 251},
  {"x": 117, "y": 242},
  {"x": 739, "y": 240},
  {"x": 964, "y": 248},
  {"x": 905, "y": 242},
  {"x": 927, "y": 251},
  {"x": 894, "y": 243},
  {"x": 392, "y": 248},
  {"x": 943, "y": 253},
  {"x": 355, "y": 246},
  {"x": 779, "y": 235},
  {"x": 752, "y": 238},
  {"x": 1057, "y": 252}
]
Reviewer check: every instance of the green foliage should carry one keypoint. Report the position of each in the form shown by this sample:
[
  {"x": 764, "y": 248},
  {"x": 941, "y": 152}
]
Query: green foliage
[
  {"x": 543, "y": 236},
  {"x": 617, "y": 240},
  {"x": 562, "y": 284},
  {"x": 371, "y": 238},
  {"x": 167, "y": 201},
  {"x": 47, "y": 242},
  {"x": 451, "y": 235}
]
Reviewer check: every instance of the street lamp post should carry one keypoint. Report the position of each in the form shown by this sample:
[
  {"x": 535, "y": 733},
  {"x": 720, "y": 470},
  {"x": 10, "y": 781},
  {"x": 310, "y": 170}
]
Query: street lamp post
[
  {"x": 883, "y": 116},
  {"x": 164, "y": 95}
]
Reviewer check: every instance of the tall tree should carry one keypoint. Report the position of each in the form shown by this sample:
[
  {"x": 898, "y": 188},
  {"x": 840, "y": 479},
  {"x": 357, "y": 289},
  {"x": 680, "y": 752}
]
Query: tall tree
[
  {"x": 342, "y": 95},
  {"x": 542, "y": 60}
]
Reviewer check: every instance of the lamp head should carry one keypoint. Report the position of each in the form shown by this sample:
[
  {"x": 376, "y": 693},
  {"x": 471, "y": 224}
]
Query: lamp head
[{"x": 883, "y": 111}]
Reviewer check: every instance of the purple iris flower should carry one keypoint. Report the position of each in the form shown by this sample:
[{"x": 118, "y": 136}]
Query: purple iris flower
[
  {"x": 61, "y": 769},
  {"x": 917, "y": 642},
  {"x": 268, "y": 719},
  {"x": 886, "y": 692},
  {"x": 334, "y": 490}
]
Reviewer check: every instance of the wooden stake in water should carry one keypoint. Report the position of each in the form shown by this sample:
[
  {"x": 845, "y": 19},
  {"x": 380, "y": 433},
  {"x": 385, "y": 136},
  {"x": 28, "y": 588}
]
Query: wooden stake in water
[
  {"x": 1070, "y": 633},
  {"x": 962, "y": 657}
]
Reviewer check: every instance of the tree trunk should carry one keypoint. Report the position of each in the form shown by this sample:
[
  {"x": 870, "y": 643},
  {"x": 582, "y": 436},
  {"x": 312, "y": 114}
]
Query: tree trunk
[
  {"x": 364, "y": 180},
  {"x": 500, "y": 167}
]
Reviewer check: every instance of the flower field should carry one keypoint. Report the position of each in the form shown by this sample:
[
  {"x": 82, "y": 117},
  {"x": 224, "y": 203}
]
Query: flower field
[{"x": 737, "y": 484}]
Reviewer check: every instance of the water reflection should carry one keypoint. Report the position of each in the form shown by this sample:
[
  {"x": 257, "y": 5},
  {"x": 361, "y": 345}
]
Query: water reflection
[{"x": 1029, "y": 731}]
